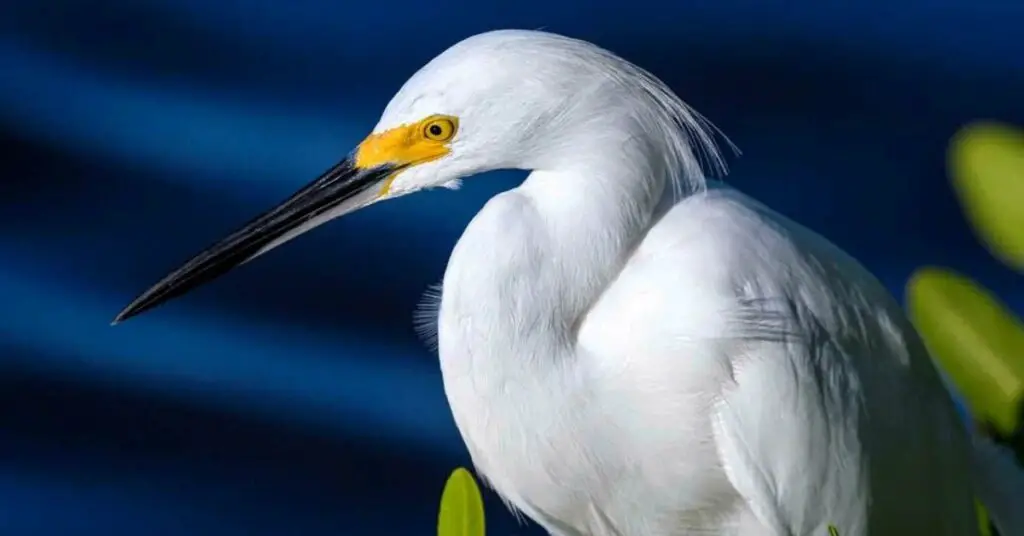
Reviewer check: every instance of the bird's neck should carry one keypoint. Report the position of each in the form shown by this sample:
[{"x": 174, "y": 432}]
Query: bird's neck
[{"x": 535, "y": 259}]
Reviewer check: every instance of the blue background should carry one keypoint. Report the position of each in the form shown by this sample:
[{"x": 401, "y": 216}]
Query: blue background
[{"x": 293, "y": 397}]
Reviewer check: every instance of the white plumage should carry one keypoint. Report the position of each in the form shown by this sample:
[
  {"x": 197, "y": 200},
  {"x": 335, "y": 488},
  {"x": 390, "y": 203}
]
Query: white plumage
[
  {"x": 628, "y": 350},
  {"x": 737, "y": 375}
]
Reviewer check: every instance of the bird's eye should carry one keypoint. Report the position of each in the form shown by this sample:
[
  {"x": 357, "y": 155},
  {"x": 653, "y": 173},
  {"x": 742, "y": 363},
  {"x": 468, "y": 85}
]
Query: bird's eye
[{"x": 439, "y": 129}]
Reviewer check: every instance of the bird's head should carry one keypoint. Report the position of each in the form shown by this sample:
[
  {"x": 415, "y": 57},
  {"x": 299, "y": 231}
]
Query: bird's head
[
  {"x": 505, "y": 99},
  {"x": 499, "y": 100}
]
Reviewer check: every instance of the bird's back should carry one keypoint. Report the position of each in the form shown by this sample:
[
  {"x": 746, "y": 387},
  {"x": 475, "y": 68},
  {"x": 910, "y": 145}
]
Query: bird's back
[{"x": 755, "y": 371}]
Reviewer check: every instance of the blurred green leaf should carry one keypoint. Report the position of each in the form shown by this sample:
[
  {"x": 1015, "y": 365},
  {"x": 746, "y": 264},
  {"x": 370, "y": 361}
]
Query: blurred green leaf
[
  {"x": 986, "y": 161},
  {"x": 975, "y": 339},
  {"x": 984, "y": 527},
  {"x": 462, "y": 508}
]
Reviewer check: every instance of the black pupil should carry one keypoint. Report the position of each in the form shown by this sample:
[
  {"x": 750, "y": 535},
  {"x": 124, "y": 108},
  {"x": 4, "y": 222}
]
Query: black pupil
[{"x": 435, "y": 130}]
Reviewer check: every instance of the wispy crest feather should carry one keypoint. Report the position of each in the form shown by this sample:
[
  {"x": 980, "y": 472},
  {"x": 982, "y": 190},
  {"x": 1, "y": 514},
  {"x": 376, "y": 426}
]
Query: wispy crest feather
[
  {"x": 688, "y": 147},
  {"x": 690, "y": 151}
]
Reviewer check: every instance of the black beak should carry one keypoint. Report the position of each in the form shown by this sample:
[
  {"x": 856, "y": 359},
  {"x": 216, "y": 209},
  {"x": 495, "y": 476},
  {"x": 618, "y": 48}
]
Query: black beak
[{"x": 340, "y": 190}]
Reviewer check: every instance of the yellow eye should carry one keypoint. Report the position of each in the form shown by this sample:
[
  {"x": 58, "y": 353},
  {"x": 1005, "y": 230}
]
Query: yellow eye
[{"x": 439, "y": 129}]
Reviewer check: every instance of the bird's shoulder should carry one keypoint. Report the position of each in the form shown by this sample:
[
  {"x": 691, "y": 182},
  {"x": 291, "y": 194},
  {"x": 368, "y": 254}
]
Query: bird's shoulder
[
  {"x": 719, "y": 273},
  {"x": 719, "y": 265}
]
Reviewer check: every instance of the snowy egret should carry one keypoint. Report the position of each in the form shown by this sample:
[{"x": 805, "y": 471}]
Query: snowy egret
[{"x": 628, "y": 349}]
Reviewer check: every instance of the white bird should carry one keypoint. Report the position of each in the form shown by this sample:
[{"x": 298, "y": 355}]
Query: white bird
[{"x": 627, "y": 349}]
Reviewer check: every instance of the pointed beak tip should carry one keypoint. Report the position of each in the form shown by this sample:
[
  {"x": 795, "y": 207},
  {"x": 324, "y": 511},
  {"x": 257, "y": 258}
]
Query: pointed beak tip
[
  {"x": 137, "y": 306},
  {"x": 125, "y": 314}
]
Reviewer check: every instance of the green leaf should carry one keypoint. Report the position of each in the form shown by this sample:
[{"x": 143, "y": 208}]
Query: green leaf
[
  {"x": 984, "y": 529},
  {"x": 462, "y": 508},
  {"x": 986, "y": 162},
  {"x": 833, "y": 531},
  {"x": 975, "y": 339}
]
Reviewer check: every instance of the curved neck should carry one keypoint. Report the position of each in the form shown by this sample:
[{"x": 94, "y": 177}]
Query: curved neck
[
  {"x": 593, "y": 215},
  {"x": 535, "y": 259}
]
